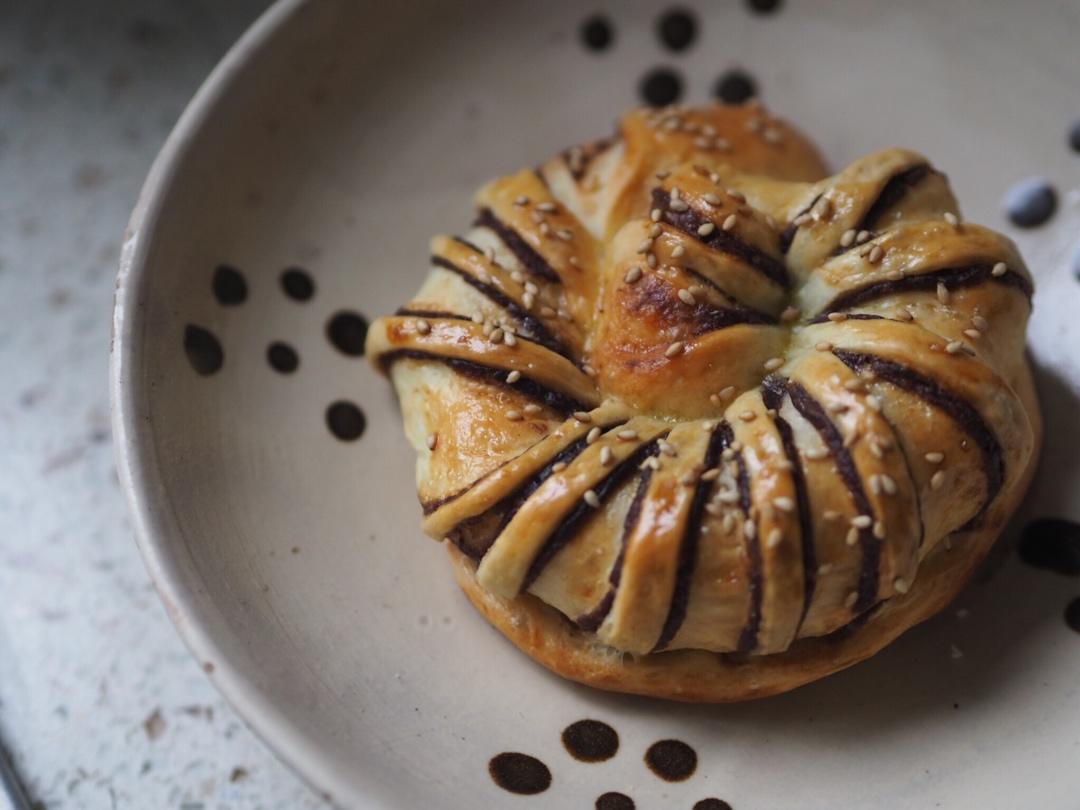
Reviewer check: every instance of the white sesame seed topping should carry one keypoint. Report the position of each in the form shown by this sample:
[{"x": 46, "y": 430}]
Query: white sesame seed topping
[
  {"x": 688, "y": 479},
  {"x": 678, "y": 205},
  {"x": 727, "y": 392},
  {"x": 750, "y": 530},
  {"x": 954, "y": 347},
  {"x": 678, "y": 251},
  {"x": 650, "y": 260},
  {"x": 729, "y": 222},
  {"x": 632, "y": 275},
  {"x": 423, "y": 327},
  {"x": 862, "y": 521},
  {"x": 823, "y": 346},
  {"x": 655, "y": 230},
  {"x": 497, "y": 334},
  {"x": 547, "y": 207},
  {"x": 687, "y": 297},
  {"x": 545, "y": 229},
  {"x": 528, "y": 300},
  {"x": 862, "y": 236},
  {"x": 655, "y": 214},
  {"x": 824, "y": 569},
  {"x": 666, "y": 447},
  {"x": 645, "y": 246},
  {"x": 938, "y": 480},
  {"x": 706, "y": 228},
  {"x": 432, "y": 441},
  {"x": 711, "y": 475},
  {"x": 592, "y": 499},
  {"x": 831, "y": 515},
  {"x": 748, "y": 416},
  {"x": 847, "y": 238},
  {"x": 627, "y": 435},
  {"x": 895, "y": 275},
  {"x": 851, "y": 599},
  {"x": 772, "y": 364},
  {"x": 980, "y": 323},
  {"x": 605, "y": 455},
  {"x": 592, "y": 435},
  {"x": 565, "y": 234},
  {"x": 999, "y": 270},
  {"x": 974, "y": 334},
  {"x": 772, "y": 136},
  {"x": 816, "y": 453},
  {"x": 942, "y": 293},
  {"x": 513, "y": 416},
  {"x": 952, "y": 219},
  {"x": 583, "y": 416},
  {"x": 532, "y": 409},
  {"x": 900, "y": 585},
  {"x": 547, "y": 312},
  {"x": 513, "y": 376},
  {"x": 712, "y": 199},
  {"x": 852, "y": 536},
  {"x": 674, "y": 349},
  {"x": 521, "y": 200},
  {"x": 789, "y": 314},
  {"x": 875, "y": 254},
  {"x": 784, "y": 503},
  {"x": 935, "y": 457},
  {"x": 873, "y": 402},
  {"x": 776, "y": 537},
  {"x": 589, "y": 370},
  {"x": 509, "y": 339},
  {"x": 837, "y": 317}
]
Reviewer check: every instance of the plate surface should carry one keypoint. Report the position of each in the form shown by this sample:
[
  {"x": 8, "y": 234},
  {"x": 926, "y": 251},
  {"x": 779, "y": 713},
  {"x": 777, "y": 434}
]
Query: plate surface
[{"x": 337, "y": 138}]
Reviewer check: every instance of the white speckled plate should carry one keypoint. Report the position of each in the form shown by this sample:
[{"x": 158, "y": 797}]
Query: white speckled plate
[{"x": 336, "y": 138}]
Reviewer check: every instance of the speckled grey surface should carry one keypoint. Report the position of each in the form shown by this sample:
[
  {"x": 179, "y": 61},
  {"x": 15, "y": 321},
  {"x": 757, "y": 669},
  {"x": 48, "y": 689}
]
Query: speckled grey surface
[{"x": 100, "y": 704}]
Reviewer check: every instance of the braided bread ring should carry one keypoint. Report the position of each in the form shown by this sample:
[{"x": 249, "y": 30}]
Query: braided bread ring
[{"x": 702, "y": 425}]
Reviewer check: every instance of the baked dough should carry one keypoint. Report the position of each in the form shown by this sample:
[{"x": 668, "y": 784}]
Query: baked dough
[{"x": 700, "y": 422}]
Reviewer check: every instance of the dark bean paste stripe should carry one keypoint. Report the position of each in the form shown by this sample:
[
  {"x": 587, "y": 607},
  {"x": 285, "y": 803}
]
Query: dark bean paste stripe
[
  {"x": 744, "y": 313},
  {"x": 955, "y": 406},
  {"x": 533, "y": 262},
  {"x": 433, "y": 314},
  {"x": 534, "y": 329},
  {"x": 558, "y": 401},
  {"x": 787, "y": 236},
  {"x": 891, "y": 193},
  {"x": 689, "y": 221},
  {"x": 592, "y": 620},
  {"x": 815, "y": 414},
  {"x": 952, "y": 277},
  {"x": 587, "y": 155},
  {"x": 688, "y": 546},
  {"x": 773, "y": 392},
  {"x": 855, "y": 316},
  {"x": 581, "y": 513},
  {"x": 755, "y": 576},
  {"x": 461, "y": 240}
]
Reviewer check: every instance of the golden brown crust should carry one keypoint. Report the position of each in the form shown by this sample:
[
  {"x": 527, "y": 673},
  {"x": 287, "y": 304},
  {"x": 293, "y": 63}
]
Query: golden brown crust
[{"x": 692, "y": 396}]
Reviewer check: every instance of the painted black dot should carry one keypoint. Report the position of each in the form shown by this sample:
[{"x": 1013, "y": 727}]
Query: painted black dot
[
  {"x": 229, "y": 286},
  {"x": 677, "y": 29},
  {"x": 282, "y": 357},
  {"x": 661, "y": 86},
  {"x": 735, "y": 87},
  {"x": 1053, "y": 544},
  {"x": 614, "y": 801},
  {"x": 1074, "y": 136},
  {"x": 347, "y": 331},
  {"x": 1072, "y": 614},
  {"x": 345, "y": 420},
  {"x": 764, "y": 6},
  {"x": 519, "y": 773},
  {"x": 712, "y": 804},
  {"x": 1030, "y": 202},
  {"x": 671, "y": 760},
  {"x": 590, "y": 740},
  {"x": 1076, "y": 265},
  {"x": 203, "y": 350},
  {"x": 297, "y": 284},
  {"x": 597, "y": 33}
]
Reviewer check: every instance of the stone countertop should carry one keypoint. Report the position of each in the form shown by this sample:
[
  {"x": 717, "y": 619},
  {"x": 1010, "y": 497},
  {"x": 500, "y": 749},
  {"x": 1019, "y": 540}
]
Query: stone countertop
[{"x": 100, "y": 704}]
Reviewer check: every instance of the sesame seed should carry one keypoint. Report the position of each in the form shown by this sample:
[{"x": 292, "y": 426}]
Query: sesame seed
[
  {"x": 875, "y": 254},
  {"x": 589, "y": 370},
  {"x": 848, "y": 238},
  {"x": 900, "y": 585},
  {"x": 824, "y": 568},
  {"x": 775, "y": 538},
  {"x": 432, "y": 441},
  {"x": 862, "y": 521},
  {"x": 952, "y": 219},
  {"x": 942, "y": 293},
  {"x": 736, "y": 446},
  {"x": 938, "y": 480},
  {"x": 565, "y": 234},
  {"x": 801, "y": 220},
  {"x": 706, "y": 228},
  {"x": 875, "y": 484},
  {"x": 423, "y": 327},
  {"x": 831, "y": 515},
  {"x": 823, "y": 346},
  {"x": 715, "y": 510},
  {"x": 528, "y": 300},
  {"x": 677, "y": 251},
  {"x": 712, "y": 199},
  {"x": 999, "y": 270},
  {"x": 547, "y": 207},
  {"x": 862, "y": 236},
  {"x": 873, "y": 402},
  {"x": 547, "y": 312},
  {"x": 974, "y": 334},
  {"x": 816, "y": 453},
  {"x": 853, "y": 384},
  {"x": 748, "y": 416},
  {"x": 954, "y": 347},
  {"x": 655, "y": 214},
  {"x": 729, "y": 222},
  {"x": 532, "y": 409},
  {"x": 627, "y": 435},
  {"x": 656, "y": 230},
  {"x": 837, "y": 317},
  {"x": 711, "y": 475},
  {"x": 876, "y": 451},
  {"x": 514, "y": 416},
  {"x": 497, "y": 334},
  {"x": 645, "y": 246},
  {"x": 650, "y": 260},
  {"x": 687, "y": 297},
  {"x": 564, "y": 315},
  {"x": 509, "y": 339},
  {"x": 774, "y": 363},
  {"x": 888, "y": 484},
  {"x": 558, "y": 466},
  {"x": 750, "y": 530},
  {"x": 980, "y": 323},
  {"x": 521, "y": 200},
  {"x": 727, "y": 523},
  {"x": 605, "y": 455},
  {"x": 727, "y": 393},
  {"x": 784, "y": 503},
  {"x": 688, "y": 479},
  {"x": 674, "y": 349},
  {"x": 678, "y": 205},
  {"x": 822, "y": 208},
  {"x": 592, "y": 499},
  {"x": 652, "y": 463},
  {"x": 789, "y": 314},
  {"x": 676, "y": 193},
  {"x": 935, "y": 457},
  {"x": 772, "y": 136},
  {"x": 879, "y": 529},
  {"x": 513, "y": 376},
  {"x": 666, "y": 447},
  {"x": 592, "y": 435},
  {"x": 583, "y": 416},
  {"x": 851, "y": 599},
  {"x": 852, "y": 536},
  {"x": 632, "y": 275},
  {"x": 728, "y": 496},
  {"x": 895, "y": 275},
  {"x": 573, "y": 262},
  {"x": 755, "y": 124}
]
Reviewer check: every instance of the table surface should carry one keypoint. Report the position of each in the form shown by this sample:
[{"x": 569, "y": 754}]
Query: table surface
[{"x": 100, "y": 704}]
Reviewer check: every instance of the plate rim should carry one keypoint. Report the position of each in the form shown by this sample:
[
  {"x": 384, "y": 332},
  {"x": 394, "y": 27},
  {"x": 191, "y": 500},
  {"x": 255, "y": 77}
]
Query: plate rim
[{"x": 158, "y": 536}]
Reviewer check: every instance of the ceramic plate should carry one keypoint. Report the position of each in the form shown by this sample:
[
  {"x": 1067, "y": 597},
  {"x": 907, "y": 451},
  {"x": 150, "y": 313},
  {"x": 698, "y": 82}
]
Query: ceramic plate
[{"x": 332, "y": 142}]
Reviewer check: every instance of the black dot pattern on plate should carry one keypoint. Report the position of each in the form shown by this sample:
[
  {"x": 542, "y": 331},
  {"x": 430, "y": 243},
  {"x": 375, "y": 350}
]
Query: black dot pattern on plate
[
  {"x": 1053, "y": 544},
  {"x": 1030, "y": 202},
  {"x": 229, "y": 285},
  {"x": 1072, "y": 615},
  {"x": 297, "y": 284},
  {"x": 764, "y": 6},
  {"x": 712, "y": 804},
  {"x": 614, "y": 801},
  {"x": 590, "y": 740},
  {"x": 345, "y": 420},
  {"x": 1074, "y": 136},
  {"x": 671, "y": 760},
  {"x": 735, "y": 87},
  {"x": 282, "y": 357},
  {"x": 347, "y": 331},
  {"x": 203, "y": 350},
  {"x": 677, "y": 29},
  {"x": 1076, "y": 265},
  {"x": 519, "y": 773},
  {"x": 597, "y": 33},
  {"x": 660, "y": 86}
]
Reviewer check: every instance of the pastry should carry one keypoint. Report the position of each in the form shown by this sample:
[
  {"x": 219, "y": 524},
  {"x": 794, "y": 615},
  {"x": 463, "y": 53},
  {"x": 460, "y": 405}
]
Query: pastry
[{"x": 698, "y": 421}]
